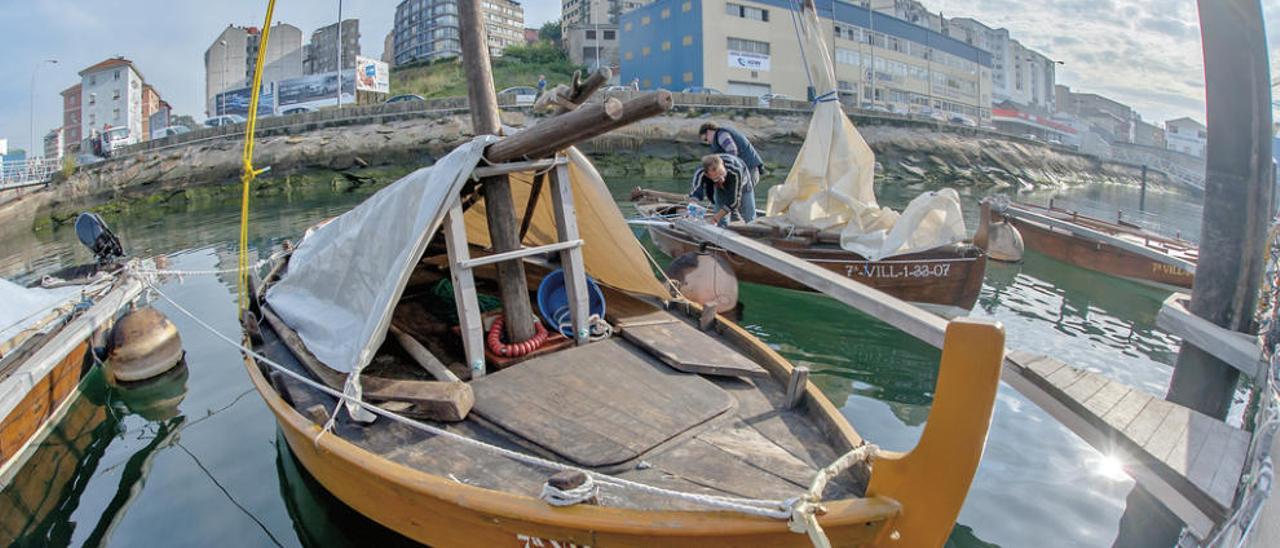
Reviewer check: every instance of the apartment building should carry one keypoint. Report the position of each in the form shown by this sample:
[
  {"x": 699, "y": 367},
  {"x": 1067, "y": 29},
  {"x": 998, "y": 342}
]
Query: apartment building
[
  {"x": 71, "y": 129},
  {"x": 749, "y": 47},
  {"x": 320, "y": 55},
  {"x": 426, "y": 30},
  {"x": 230, "y": 60},
  {"x": 111, "y": 97}
]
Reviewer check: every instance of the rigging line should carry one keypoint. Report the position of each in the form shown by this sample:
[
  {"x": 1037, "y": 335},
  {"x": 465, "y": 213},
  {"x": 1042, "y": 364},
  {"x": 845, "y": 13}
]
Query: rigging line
[
  {"x": 800, "y": 39},
  {"x": 215, "y": 481},
  {"x": 249, "y": 172}
]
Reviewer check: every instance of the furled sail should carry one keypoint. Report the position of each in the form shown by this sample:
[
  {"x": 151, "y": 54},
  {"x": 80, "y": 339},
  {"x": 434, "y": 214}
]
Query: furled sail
[{"x": 831, "y": 186}]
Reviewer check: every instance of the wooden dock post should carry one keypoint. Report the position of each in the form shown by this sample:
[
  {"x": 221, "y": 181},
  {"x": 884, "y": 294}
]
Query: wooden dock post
[
  {"x": 1237, "y": 194},
  {"x": 499, "y": 208}
]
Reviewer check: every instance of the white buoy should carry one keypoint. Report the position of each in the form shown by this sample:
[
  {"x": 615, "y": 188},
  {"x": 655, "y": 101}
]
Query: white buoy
[
  {"x": 705, "y": 279},
  {"x": 1005, "y": 243},
  {"x": 144, "y": 344}
]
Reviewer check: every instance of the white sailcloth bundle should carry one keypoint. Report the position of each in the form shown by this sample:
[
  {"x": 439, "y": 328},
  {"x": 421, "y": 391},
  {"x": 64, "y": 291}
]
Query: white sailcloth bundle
[{"x": 831, "y": 186}]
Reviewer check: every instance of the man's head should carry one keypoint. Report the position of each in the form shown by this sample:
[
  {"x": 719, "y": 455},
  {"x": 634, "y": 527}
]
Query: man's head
[
  {"x": 707, "y": 132},
  {"x": 713, "y": 166}
]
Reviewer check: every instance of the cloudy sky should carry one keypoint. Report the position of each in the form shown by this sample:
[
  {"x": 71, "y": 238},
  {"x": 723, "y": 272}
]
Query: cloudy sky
[{"x": 1143, "y": 52}]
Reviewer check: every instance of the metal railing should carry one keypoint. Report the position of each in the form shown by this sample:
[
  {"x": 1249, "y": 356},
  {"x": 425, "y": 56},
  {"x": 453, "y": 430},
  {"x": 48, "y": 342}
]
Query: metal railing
[{"x": 27, "y": 172}]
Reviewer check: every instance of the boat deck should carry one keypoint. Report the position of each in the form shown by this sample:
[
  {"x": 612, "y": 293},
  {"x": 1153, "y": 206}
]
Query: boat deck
[{"x": 719, "y": 436}]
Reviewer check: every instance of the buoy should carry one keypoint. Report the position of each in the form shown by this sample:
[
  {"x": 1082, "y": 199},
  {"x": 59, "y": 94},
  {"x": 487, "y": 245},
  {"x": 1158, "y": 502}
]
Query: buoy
[
  {"x": 705, "y": 279},
  {"x": 144, "y": 344},
  {"x": 1005, "y": 243}
]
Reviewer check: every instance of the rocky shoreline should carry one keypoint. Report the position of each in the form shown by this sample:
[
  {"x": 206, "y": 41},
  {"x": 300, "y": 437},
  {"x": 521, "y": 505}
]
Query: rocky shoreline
[{"x": 916, "y": 156}]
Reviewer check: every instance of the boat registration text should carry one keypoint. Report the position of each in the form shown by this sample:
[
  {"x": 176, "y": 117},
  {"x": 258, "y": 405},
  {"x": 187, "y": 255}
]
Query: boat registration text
[{"x": 891, "y": 270}]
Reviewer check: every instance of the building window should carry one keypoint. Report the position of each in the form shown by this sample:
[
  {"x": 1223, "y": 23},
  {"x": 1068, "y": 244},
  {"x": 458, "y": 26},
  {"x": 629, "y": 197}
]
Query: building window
[
  {"x": 591, "y": 35},
  {"x": 610, "y": 35},
  {"x": 666, "y": 45},
  {"x": 644, "y": 52},
  {"x": 93, "y": 79},
  {"x": 644, "y": 20},
  {"x": 666, "y": 14},
  {"x": 627, "y": 27},
  {"x": 687, "y": 40},
  {"x": 748, "y": 46},
  {"x": 687, "y": 77},
  {"x": 686, "y": 7},
  {"x": 746, "y": 12},
  {"x": 117, "y": 74},
  {"x": 115, "y": 114},
  {"x": 115, "y": 95},
  {"x": 93, "y": 99},
  {"x": 647, "y": 83},
  {"x": 666, "y": 79},
  {"x": 628, "y": 56}
]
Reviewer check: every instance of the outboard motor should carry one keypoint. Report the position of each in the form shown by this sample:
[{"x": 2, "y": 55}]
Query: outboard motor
[{"x": 97, "y": 236}]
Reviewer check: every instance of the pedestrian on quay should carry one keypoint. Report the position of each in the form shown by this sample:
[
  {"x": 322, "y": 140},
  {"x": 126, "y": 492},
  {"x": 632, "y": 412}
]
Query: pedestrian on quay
[{"x": 542, "y": 84}]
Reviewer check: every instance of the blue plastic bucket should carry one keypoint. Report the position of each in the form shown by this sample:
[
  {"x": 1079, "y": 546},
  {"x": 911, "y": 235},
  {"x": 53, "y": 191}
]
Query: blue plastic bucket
[{"x": 553, "y": 301}]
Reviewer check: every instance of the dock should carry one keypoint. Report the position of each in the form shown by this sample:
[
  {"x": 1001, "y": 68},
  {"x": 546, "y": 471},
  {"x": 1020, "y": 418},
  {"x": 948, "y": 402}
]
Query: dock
[{"x": 1192, "y": 463}]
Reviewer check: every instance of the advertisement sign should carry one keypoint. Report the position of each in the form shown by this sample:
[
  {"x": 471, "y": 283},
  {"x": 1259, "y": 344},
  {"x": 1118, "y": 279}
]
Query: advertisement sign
[
  {"x": 749, "y": 61},
  {"x": 315, "y": 90},
  {"x": 158, "y": 122},
  {"x": 372, "y": 75},
  {"x": 4, "y": 147},
  {"x": 236, "y": 101}
]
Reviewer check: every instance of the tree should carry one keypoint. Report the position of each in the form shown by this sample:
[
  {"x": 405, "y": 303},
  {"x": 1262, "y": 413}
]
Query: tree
[
  {"x": 183, "y": 120},
  {"x": 551, "y": 32}
]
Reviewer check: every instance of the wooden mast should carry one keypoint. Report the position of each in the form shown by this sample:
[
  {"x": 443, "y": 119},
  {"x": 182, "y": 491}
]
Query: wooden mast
[{"x": 499, "y": 209}]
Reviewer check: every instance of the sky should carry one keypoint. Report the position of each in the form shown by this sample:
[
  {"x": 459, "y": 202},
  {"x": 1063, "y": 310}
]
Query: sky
[{"x": 1142, "y": 52}]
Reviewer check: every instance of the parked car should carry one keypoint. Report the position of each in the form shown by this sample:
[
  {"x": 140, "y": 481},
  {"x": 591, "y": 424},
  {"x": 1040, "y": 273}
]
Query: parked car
[
  {"x": 963, "y": 121},
  {"x": 619, "y": 88},
  {"x": 296, "y": 109},
  {"x": 1031, "y": 136},
  {"x": 768, "y": 98},
  {"x": 225, "y": 120},
  {"x": 524, "y": 95},
  {"x": 874, "y": 108},
  {"x": 702, "y": 90},
  {"x": 171, "y": 130},
  {"x": 408, "y": 97}
]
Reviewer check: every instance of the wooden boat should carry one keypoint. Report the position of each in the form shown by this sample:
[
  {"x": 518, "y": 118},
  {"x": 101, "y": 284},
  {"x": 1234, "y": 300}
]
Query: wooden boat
[
  {"x": 41, "y": 367},
  {"x": 1120, "y": 249},
  {"x": 662, "y": 403},
  {"x": 949, "y": 277}
]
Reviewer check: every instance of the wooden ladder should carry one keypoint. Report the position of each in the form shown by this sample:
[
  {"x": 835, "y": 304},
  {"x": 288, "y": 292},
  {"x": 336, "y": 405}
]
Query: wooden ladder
[{"x": 568, "y": 244}]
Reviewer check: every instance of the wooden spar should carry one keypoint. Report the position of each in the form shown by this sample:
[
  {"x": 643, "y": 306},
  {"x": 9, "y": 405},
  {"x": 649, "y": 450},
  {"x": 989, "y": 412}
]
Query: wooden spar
[
  {"x": 499, "y": 208},
  {"x": 574, "y": 127},
  {"x": 566, "y": 128},
  {"x": 1237, "y": 196},
  {"x": 423, "y": 356},
  {"x": 585, "y": 89},
  {"x": 1101, "y": 237}
]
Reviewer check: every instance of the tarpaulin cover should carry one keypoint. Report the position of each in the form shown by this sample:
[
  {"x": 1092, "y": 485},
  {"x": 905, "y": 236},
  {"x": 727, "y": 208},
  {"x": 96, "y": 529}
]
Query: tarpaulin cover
[
  {"x": 344, "y": 280},
  {"x": 831, "y": 186},
  {"x": 25, "y": 307}
]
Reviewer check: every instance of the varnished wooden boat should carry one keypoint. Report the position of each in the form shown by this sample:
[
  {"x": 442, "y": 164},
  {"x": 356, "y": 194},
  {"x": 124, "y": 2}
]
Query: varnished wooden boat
[
  {"x": 41, "y": 369},
  {"x": 660, "y": 402},
  {"x": 1119, "y": 249},
  {"x": 948, "y": 276}
]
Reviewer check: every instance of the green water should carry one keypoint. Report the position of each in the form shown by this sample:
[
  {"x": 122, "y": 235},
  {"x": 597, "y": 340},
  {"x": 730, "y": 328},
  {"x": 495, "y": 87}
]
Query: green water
[{"x": 215, "y": 471}]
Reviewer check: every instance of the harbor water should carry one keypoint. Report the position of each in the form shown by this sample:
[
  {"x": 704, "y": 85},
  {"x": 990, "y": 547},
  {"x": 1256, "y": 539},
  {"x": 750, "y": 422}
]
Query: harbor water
[{"x": 208, "y": 467}]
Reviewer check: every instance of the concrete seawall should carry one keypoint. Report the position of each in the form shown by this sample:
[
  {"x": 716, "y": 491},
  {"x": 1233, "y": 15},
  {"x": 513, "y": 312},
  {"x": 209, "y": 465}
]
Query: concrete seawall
[{"x": 911, "y": 152}]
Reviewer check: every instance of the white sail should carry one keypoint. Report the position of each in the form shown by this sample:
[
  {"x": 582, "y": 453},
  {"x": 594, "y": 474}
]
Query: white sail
[{"x": 831, "y": 186}]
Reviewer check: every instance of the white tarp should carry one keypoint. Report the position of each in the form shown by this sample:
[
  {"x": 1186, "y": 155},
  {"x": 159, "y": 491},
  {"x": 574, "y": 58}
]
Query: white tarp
[
  {"x": 344, "y": 279},
  {"x": 24, "y": 307},
  {"x": 831, "y": 186}
]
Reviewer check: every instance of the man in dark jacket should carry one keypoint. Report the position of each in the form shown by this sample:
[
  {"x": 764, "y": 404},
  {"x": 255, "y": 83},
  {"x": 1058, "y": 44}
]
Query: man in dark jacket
[
  {"x": 723, "y": 181},
  {"x": 726, "y": 140}
]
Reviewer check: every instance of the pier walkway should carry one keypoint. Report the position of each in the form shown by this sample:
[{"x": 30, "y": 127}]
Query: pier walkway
[{"x": 1192, "y": 463}]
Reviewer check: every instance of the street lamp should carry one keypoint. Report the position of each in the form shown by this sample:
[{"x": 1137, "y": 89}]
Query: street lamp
[
  {"x": 340, "y": 54},
  {"x": 222, "y": 94},
  {"x": 32, "y": 122}
]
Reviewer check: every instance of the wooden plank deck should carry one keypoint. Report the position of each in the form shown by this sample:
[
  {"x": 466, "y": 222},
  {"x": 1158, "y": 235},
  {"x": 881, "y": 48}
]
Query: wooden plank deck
[{"x": 1199, "y": 457}]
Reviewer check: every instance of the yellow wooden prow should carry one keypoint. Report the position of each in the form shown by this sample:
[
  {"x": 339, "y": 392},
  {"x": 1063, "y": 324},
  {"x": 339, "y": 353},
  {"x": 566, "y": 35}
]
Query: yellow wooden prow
[{"x": 933, "y": 479}]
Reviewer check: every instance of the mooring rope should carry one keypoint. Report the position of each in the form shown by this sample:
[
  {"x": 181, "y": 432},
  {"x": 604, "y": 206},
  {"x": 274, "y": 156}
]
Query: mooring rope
[{"x": 800, "y": 511}]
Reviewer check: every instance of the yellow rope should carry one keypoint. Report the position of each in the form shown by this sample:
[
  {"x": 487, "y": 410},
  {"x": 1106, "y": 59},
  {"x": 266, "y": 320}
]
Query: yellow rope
[{"x": 249, "y": 173}]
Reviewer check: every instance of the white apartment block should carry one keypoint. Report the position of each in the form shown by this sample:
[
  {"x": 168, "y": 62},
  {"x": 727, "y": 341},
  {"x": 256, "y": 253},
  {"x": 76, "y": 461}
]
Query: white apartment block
[
  {"x": 580, "y": 13},
  {"x": 111, "y": 97},
  {"x": 230, "y": 60},
  {"x": 1018, "y": 74}
]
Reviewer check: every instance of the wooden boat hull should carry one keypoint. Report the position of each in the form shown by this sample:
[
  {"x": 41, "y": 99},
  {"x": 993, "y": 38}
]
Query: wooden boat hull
[
  {"x": 442, "y": 512},
  {"x": 950, "y": 276},
  {"x": 1100, "y": 257},
  {"x": 41, "y": 406}
]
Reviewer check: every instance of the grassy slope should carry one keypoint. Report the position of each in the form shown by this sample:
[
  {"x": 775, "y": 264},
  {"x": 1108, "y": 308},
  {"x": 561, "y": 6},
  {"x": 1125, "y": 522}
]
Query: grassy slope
[{"x": 519, "y": 66}]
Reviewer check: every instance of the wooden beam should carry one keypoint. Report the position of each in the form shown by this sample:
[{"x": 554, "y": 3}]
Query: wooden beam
[
  {"x": 519, "y": 254},
  {"x": 499, "y": 209},
  {"x": 528, "y": 145},
  {"x": 555, "y": 133},
  {"x": 588, "y": 87},
  {"x": 423, "y": 356},
  {"x": 1234, "y": 348},
  {"x": 512, "y": 167}
]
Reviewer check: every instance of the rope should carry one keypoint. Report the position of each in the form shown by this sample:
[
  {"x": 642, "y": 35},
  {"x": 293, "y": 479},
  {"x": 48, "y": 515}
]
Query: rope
[
  {"x": 800, "y": 511},
  {"x": 799, "y": 38},
  {"x": 249, "y": 172},
  {"x": 568, "y": 497}
]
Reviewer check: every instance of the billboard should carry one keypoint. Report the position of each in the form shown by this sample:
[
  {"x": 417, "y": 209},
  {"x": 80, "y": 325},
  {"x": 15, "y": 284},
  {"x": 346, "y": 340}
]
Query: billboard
[
  {"x": 372, "y": 75},
  {"x": 158, "y": 122},
  {"x": 748, "y": 60},
  {"x": 315, "y": 90},
  {"x": 236, "y": 101}
]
